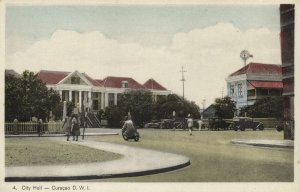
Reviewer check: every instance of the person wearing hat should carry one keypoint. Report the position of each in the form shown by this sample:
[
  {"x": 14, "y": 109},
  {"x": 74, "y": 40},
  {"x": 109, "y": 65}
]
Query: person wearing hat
[
  {"x": 190, "y": 123},
  {"x": 128, "y": 126},
  {"x": 75, "y": 127}
]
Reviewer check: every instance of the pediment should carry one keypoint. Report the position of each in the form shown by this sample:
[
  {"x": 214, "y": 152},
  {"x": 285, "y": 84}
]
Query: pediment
[{"x": 74, "y": 78}]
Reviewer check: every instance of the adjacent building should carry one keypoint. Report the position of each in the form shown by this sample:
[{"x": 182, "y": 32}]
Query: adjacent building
[
  {"x": 287, "y": 24},
  {"x": 95, "y": 94},
  {"x": 10, "y": 72},
  {"x": 254, "y": 81}
]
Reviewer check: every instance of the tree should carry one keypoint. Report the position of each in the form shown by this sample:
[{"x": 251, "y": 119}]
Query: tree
[
  {"x": 140, "y": 105},
  {"x": 27, "y": 97},
  {"x": 13, "y": 98},
  {"x": 225, "y": 107},
  {"x": 143, "y": 108},
  {"x": 265, "y": 108},
  {"x": 114, "y": 116},
  {"x": 165, "y": 106},
  {"x": 57, "y": 111}
]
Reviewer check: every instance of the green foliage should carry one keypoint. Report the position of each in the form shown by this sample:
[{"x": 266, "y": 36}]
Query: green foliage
[
  {"x": 264, "y": 108},
  {"x": 166, "y": 105},
  {"x": 13, "y": 98},
  {"x": 100, "y": 114},
  {"x": 143, "y": 108},
  {"x": 224, "y": 107},
  {"x": 140, "y": 105},
  {"x": 57, "y": 111},
  {"x": 28, "y": 97},
  {"x": 114, "y": 116}
]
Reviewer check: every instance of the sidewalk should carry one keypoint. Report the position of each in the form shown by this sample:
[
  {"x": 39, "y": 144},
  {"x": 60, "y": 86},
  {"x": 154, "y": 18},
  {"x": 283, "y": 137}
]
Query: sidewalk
[
  {"x": 265, "y": 143},
  {"x": 135, "y": 162},
  {"x": 88, "y": 132}
]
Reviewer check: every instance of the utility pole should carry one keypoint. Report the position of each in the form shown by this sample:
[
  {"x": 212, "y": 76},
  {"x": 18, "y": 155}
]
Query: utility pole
[{"x": 183, "y": 80}]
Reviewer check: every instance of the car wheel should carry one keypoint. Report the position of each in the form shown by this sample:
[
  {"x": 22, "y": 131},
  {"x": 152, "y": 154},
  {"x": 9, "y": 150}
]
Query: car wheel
[
  {"x": 261, "y": 127},
  {"x": 236, "y": 128},
  {"x": 136, "y": 138}
]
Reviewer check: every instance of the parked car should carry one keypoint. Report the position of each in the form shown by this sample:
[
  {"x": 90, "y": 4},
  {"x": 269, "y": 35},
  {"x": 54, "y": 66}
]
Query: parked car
[
  {"x": 243, "y": 123},
  {"x": 180, "y": 124},
  {"x": 216, "y": 123},
  {"x": 166, "y": 124},
  {"x": 153, "y": 124}
]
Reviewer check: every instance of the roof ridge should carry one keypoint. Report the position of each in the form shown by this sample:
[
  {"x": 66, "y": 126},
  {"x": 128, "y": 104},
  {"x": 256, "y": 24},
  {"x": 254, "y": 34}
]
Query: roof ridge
[
  {"x": 154, "y": 82},
  {"x": 54, "y": 71}
]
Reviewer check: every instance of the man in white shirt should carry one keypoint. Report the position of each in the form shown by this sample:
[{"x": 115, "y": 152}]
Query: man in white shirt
[
  {"x": 190, "y": 123},
  {"x": 200, "y": 124}
]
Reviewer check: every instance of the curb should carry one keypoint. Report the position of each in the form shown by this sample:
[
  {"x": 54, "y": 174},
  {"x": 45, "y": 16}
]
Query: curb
[
  {"x": 140, "y": 165},
  {"x": 60, "y": 135},
  {"x": 104, "y": 176},
  {"x": 265, "y": 143}
]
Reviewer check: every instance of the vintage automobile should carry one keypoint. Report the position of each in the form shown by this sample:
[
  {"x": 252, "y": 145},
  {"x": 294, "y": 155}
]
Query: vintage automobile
[
  {"x": 216, "y": 124},
  {"x": 243, "y": 123},
  {"x": 153, "y": 124},
  {"x": 166, "y": 124}
]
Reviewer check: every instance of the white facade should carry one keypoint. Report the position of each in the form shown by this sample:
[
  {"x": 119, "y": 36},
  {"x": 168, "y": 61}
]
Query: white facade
[{"x": 75, "y": 87}]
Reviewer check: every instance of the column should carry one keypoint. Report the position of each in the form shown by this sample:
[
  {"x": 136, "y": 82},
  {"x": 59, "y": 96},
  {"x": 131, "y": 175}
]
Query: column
[
  {"x": 80, "y": 101},
  {"x": 102, "y": 100},
  {"x": 60, "y": 94},
  {"x": 90, "y": 100},
  {"x": 70, "y": 95},
  {"x": 115, "y": 98},
  {"x": 85, "y": 101},
  {"x": 106, "y": 100}
]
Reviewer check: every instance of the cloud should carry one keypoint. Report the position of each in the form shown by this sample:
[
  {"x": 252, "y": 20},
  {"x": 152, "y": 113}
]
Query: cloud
[{"x": 209, "y": 55}]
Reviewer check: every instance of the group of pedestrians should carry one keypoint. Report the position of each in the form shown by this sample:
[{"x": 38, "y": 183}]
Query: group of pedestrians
[
  {"x": 72, "y": 127},
  {"x": 190, "y": 123}
]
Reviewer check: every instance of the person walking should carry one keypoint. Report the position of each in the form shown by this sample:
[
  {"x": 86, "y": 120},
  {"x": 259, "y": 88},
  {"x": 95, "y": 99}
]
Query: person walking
[
  {"x": 200, "y": 124},
  {"x": 67, "y": 127},
  {"x": 39, "y": 127},
  {"x": 190, "y": 124},
  {"x": 85, "y": 122},
  {"x": 75, "y": 127}
]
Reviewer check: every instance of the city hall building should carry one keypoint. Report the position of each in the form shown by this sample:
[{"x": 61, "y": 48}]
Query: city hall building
[
  {"x": 95, "y": 94},
  {"x": 254, "y": 81}
]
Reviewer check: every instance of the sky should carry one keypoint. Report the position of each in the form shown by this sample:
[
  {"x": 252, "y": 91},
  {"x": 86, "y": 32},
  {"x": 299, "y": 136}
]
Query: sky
[{"x": 144, "y": 41}]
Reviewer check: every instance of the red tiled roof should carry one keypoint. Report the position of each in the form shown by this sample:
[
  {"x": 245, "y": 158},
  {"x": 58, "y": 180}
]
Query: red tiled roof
[
  {"x": 100, "y": 82},
  {"x": 152, "y": 84},
  {"x": 259, "y": 68},
  {"x": 93, "y": 81},
  {"x": 267, "y": 84},
  {"x": 51, "y": 77},
  {"x": 116, "y": 82}
]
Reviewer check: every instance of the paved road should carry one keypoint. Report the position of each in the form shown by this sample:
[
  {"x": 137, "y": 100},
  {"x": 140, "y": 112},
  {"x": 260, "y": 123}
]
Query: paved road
[{"x": 135, "y": 162}]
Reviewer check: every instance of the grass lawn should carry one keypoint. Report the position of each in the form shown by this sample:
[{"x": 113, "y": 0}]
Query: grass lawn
[
  {"x": 214, "y": 158},
  {"x": 43, "y": 151}
]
